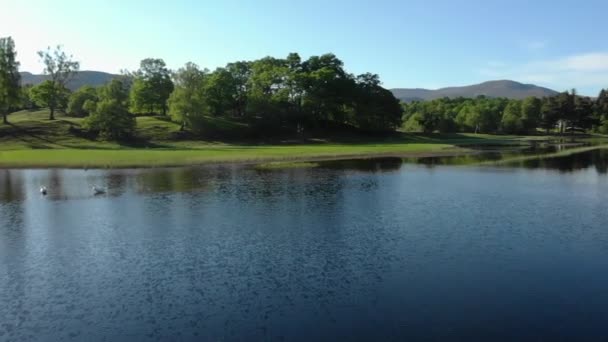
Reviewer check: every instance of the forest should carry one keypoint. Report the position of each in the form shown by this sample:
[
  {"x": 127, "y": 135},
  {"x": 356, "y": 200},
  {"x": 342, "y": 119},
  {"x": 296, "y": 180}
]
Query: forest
[{"x": 564, "y": 113}]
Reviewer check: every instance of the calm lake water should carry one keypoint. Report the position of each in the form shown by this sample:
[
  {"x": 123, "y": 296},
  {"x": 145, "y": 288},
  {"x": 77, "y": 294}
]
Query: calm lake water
[{"x": 385, "y": 249}]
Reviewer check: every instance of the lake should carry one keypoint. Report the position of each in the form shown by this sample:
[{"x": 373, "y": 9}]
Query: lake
[{"x": 377, "y": 249}]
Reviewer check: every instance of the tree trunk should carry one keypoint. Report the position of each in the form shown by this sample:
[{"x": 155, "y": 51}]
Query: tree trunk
[
  {"x": 52, "y": 115},
  {"x": 4, "y": 118}
]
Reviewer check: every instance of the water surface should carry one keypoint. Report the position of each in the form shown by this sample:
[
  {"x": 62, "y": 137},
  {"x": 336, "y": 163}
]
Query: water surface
[{"x": 386, "y": 249}]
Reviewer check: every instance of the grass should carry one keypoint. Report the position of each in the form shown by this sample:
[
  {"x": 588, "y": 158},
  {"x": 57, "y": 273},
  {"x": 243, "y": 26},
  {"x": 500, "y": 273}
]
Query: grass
[{"x": 31, "y": 140}]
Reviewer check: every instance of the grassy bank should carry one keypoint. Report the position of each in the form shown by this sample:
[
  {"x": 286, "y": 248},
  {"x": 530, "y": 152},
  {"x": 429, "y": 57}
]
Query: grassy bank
[{"x": 33, "y": 141}]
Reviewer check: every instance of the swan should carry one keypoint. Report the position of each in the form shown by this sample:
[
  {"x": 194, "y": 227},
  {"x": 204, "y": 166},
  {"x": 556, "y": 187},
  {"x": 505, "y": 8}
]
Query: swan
[
  {"x": 43, "y": 190},
  {"x": 98, "y": 191}
]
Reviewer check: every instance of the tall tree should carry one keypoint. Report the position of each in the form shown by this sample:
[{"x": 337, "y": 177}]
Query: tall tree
[
  {"x": 549, "y": 113},
  {"x": 186, "y": 101},
  {"x": 530, "y": 113},
  {"x": 9, "y": 77},
  {"x": 601, "y": 111},
  {"x": 583, "y": 113},
  {"x": 376, "y": 108},
  {"x": 240, "y": 73},
  {"x": 511, "y": 119},
  {"x": 47, "y": 94},
  {"x": 601, "y": 104},
  {"x": 61, "y": 68},
  {"x": 152, "y": 86}
]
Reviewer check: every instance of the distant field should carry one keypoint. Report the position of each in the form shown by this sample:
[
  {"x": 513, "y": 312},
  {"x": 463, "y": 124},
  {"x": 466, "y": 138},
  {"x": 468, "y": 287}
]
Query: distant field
[{"x": 33, "y": 141}]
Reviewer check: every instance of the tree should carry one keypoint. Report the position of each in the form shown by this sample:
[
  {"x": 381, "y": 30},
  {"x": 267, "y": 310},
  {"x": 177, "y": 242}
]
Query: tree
[
  {"x": 47, "y": 94},
  {"x": 601, "y": 110},
  {"x": 186, "y": 101},
  {"x": 110, "y": 117},
  {"x": 583, "y": 113},
  {"x": 601, "y": 104},
  {"x": 240, "y": 72},
  {"x": 79, "y": 98},
  {"x": 220, "y": 91},
  {"x": 111, "y": 120},
  {"x": 61, "y": 68},
  {"x": 531, "y": 113},
  {"x": 152, "y": 86},
  {"x": 326, "y": 87},
  {"x": 468, "y": 118},
  {"x": 567, "y": 113},
  {"x": 511, "y": 119},
  {"x": 117, "y": 89},
  {"x": 376, "y": 108},
  {"x": 25, "y": 98},
  {"x": 549, "y": 113},
  {"x": 427, "y": 119},
  {"x": 9, "y": 77}
]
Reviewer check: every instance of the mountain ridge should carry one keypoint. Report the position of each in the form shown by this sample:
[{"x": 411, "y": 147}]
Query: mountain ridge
[
  {"x": 497, "y": 88},
  {"x": 85, "y": 77}
]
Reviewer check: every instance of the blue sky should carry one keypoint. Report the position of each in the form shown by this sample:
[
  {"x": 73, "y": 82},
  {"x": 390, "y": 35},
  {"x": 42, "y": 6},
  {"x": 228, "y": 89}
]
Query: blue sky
[{"x": 431, "y": 44}]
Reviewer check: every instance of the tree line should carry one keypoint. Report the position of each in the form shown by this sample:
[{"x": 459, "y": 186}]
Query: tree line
[
  {"x": 564, "y": 112},
  {"x": 278, "y": 96},
  {"x": 273, "y": 95}
]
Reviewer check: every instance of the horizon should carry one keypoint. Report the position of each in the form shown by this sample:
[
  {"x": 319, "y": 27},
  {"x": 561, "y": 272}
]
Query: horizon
[{"x": 540, "y": 50}]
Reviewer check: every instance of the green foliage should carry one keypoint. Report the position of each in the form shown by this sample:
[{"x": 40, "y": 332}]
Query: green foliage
[
  {"x": 152, "y": 87},
  {"x": 531, "y": 113},
  {"x": 376, "y": 108},
  {"x": 117, "y": 89},
  {"x": 112, "y": 120},
  {"x": 25, "y": 98},
  {"x": 76, "y": 103},
  {"x": 61, "y": 68},
  {"x": 276, "y": 95},
  {"x": 583, "y": 113},
  {"x": 89, "y": 106},
  {"x": 493, "y": 115},
  {"x": 50, "y": 95},
  {"x": 549, "y": 113},
  {"x": 601, "y": 111},
  {"x": 9, "y": 77},
  {"x": 186, "y": 102},
  {"x": 110, "y": 117},
  {"x": 512, "y": 120}
]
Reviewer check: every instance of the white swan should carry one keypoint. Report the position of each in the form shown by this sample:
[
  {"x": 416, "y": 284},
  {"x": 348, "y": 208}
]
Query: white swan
[
  {"x": 98, "y": 191},
  {"x": 43, "y": 190}
]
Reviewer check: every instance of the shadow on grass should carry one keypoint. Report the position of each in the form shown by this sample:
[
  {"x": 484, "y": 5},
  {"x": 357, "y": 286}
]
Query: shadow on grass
[{"x": 57, "y": 134}]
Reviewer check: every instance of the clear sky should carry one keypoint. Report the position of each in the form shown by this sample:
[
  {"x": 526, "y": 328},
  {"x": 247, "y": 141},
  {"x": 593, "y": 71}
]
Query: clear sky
[{"x": 415, "y": 43}]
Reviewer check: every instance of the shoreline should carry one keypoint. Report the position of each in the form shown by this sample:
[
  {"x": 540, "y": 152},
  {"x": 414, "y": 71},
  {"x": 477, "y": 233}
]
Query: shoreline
[{"x": 447, "y": 152}]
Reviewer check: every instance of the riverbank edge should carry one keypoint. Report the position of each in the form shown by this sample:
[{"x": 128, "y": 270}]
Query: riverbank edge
[{"x": 32, "y": 164}]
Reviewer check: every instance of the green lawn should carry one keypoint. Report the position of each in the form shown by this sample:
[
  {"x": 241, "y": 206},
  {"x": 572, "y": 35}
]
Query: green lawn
[{"x": 31, "y": 140}]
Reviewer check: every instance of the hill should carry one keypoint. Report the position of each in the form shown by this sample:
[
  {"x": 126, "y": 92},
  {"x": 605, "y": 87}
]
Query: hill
[
  {"x": 502, "y": 88},
  {"x": 31, "y": 140},
  {"x": 92, "y": 78}
]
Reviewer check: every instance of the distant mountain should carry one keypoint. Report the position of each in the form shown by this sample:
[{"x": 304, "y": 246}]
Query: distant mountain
[
  {"x": 92, "y": 78},
  {"x": 502, "y": 88}
]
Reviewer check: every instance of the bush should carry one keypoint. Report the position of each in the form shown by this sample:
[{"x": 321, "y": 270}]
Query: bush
[
  {"x": 78, "y": 100},
  {"x": 111, "y": 120}
]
